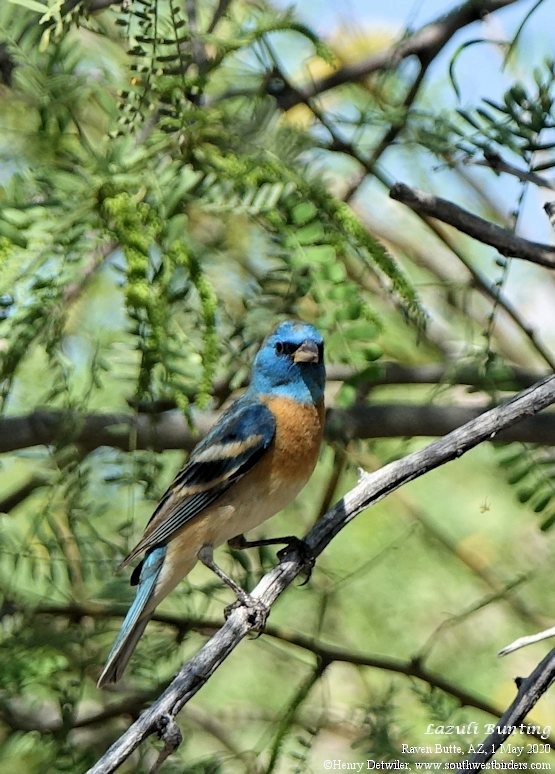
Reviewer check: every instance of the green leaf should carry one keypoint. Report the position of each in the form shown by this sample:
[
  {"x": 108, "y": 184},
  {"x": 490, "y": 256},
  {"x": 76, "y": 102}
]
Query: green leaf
[
  {"x": 543, "y": 501},
  {"x": 524, "y": 495},
  {"x": 31, "y": 5},
  {"x": 454, "y": 59},
  {"x": 549, "y": 522},
  {"x": 519, "y": 475}
]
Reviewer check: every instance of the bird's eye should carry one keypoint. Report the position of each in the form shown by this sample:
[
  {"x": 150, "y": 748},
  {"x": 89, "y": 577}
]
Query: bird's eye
[{"x": 284, "y": 348}]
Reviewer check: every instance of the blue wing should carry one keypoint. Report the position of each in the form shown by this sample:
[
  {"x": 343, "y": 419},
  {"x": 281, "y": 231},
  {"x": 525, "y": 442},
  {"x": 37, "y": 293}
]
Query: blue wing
[{"x": 230, "y": 449}]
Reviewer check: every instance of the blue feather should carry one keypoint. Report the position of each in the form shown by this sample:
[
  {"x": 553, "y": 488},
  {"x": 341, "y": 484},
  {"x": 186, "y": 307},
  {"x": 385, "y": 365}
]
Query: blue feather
[
  {"x": 230, "y": 449},
  {"x": 279, "y": 375},
  {"x": 133, "y": 625},
  {"x": 289, "y": 364}
]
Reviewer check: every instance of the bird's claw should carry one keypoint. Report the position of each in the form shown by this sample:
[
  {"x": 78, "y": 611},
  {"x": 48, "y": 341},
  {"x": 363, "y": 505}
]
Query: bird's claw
[
  {"x": 300, "y": 547},
  {"x": 294, "y": 544},
  {"x": 257, "y": 614}
]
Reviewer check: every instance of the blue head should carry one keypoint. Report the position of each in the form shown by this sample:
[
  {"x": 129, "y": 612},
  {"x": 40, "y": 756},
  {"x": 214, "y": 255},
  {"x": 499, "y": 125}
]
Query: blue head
[{"x": 290, "y": 363}]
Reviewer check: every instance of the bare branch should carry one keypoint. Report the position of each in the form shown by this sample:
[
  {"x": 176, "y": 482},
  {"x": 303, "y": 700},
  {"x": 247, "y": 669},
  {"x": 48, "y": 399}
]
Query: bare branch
[
  {"x": 16, "y": 719},
  {"x": 392, "y": 133},
  {"x": 492, "y": 292},
  {"x": 6, "y": 65},
  {"x": 471, "y": 561},
  {"x": 17, "y": 496},
  {"x": 407, "y": 420},
  {"x": 74, "y": 290},
  {"x": 341, "y": 145},
  {"x": 505, "y": 377},
  {"x": 481, "y": 283},
  {"x": 449, "y": 373},
  {"x": 132, "y": 705},
  {"x": 522, "y": 642},
  {"x": 170, "y": 430},
  {"x": 219, "y": 13},
  {"x": 493, "y": 160},
  {"x": 530, "y": 690},
  {"x": 504, "y": 241},
  {"x": 371, "y": 489},
  {"x": 425, "y": 44}
]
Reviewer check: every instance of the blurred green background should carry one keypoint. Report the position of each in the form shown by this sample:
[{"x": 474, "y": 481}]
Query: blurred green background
[{"x": 175, "y": 179}]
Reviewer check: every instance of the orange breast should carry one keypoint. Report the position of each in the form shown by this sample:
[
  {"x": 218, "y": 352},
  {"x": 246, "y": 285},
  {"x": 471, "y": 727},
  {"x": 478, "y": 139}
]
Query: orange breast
[
  {"x": 299, "y": 430},
  {"x": 273, "y": 482}
]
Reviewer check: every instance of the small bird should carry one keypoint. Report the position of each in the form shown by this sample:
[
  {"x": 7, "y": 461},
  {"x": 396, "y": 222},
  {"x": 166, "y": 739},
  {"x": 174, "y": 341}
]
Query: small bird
[{"x": 252, "y": 463}]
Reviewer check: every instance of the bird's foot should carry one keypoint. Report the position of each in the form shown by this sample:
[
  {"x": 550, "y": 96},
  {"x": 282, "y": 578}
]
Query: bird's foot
[
  {"x": 240, "y": 542},
  {"x": 206, "y": 556},
  {"x": 301, "y": 548},
  {"x": 257, "y": 611},
  {"x": 292, "y": 544}
]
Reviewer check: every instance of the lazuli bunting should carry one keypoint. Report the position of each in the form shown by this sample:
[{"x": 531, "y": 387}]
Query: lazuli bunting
[{"x": 253, "y": 462}]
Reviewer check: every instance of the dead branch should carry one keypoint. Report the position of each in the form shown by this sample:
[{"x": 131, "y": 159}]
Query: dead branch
[
  {"x": 530, "y": 689},
  {"x": 170, "y": 430},
  {"x": 425, "y": 44},
  {"x": 504, "y": 241},
  {"x": 371, "y": 489},
  {"x": 494, "y": 160}
]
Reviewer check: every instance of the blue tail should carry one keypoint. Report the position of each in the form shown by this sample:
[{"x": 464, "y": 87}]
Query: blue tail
[{"x": 134, "y": 623}]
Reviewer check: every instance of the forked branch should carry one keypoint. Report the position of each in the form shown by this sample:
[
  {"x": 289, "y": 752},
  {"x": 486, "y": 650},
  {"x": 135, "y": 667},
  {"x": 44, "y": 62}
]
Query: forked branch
[
  {"x": 504, "y": 241},
  {"x": 371, "y": 488},
  {"x": 530, "y": 689}
]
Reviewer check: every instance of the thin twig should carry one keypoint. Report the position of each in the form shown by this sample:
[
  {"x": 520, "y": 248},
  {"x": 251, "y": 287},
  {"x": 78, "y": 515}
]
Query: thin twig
[
  {"x": 182, "y": 625},
  {"x": 394, "y": 130},
  {"x": 501, "y": 239},
  {"x": 197, "y": 48},
  {"x": 425, "y": 44},
  {"x": 530, "y": 689},
  {"x": 74, "y": 290},
  {"x": 490, "y": 291},
  {"x": 23, "y": 491},
  {"x": 522, "y": 642},
  {"x": 493, "y": 160},
  {"x": 470, "y": 560},
  {"x": 288, "y": 716},
  {"x": 341, "y": 145},
  {"x": 219, "y": 13},
  {"x": 487, "y": 289}
]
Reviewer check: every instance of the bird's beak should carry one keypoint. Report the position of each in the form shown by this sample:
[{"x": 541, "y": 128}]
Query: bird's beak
[{"x": 306, "y": 353}]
